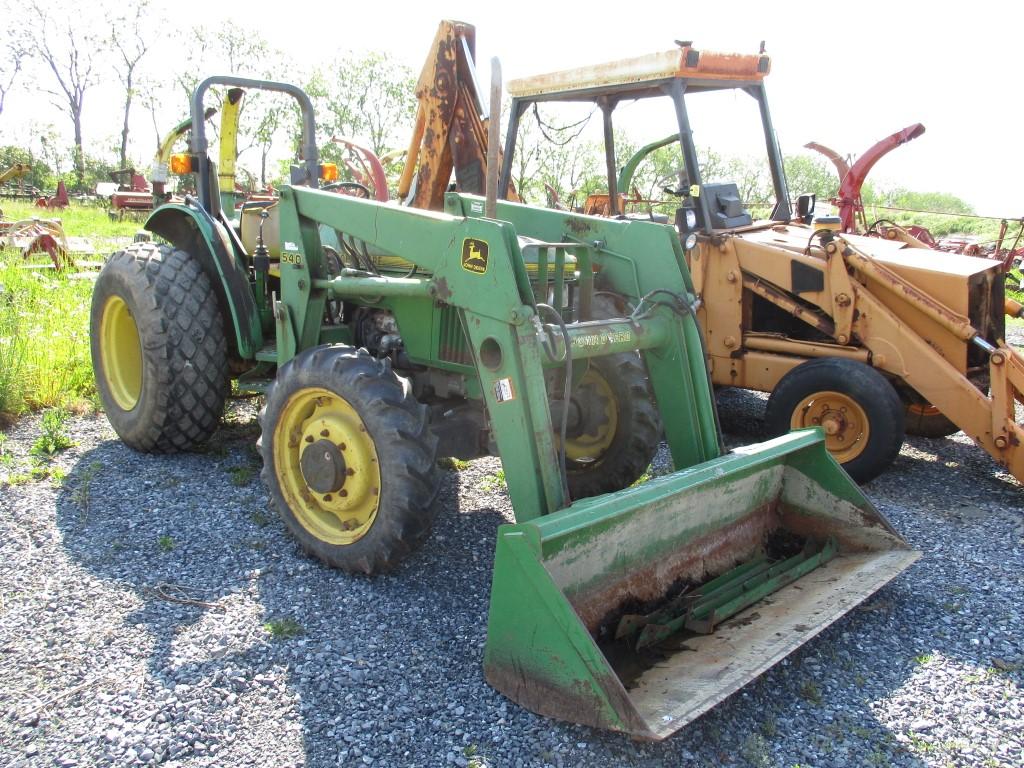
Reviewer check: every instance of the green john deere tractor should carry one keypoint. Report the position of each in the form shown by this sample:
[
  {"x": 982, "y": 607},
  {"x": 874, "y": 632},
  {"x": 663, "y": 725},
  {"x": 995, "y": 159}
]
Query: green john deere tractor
[{"x": 385, "y": 337}]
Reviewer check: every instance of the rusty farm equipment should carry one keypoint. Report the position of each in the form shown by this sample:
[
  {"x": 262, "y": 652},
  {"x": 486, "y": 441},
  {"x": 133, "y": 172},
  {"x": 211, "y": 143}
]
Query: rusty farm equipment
[
  {"x": 385, "y": 337},
  {"x": 850, "y": 205},
  {"x": 36, "y": 237}
]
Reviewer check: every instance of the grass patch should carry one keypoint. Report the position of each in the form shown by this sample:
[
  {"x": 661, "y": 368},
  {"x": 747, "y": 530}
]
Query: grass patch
[
  {"x": 83, "y": 490},
  {"x": 44, "y": 339},
  {"x": 642, "y": 479},
  {"x": 755, "y": 750},
  {"x": 241, "y": 476},
  {"x": 78, "y": 220},
  {"x": 6, "y": 457},
  {"x": 449, "y": 462},
  {"x": 923, "y": 658},
  {"x": 36, "y": 473},
  {"x": 282, "y": 629},
  {"x": 809, "y": 690},
  {"x": 44, "y": 316},
  {"x": 165, "y": 543},
  {"x": 494, "y": 482},
  {"x": 53, "y": 437}
]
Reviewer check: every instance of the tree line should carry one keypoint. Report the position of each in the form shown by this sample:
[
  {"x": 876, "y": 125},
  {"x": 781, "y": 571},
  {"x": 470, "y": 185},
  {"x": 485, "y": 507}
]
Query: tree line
[{"x": 66, "y": 54}]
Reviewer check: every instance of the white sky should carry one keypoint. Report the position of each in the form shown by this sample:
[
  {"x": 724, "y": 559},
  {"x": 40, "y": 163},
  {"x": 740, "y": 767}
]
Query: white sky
[{"x": 845, "y": 75}]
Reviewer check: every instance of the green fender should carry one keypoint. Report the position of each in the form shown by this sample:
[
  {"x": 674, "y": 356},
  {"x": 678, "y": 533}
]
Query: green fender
[
  {"x": 626, "y": 174},
  {"x": 219, "y": 253}
]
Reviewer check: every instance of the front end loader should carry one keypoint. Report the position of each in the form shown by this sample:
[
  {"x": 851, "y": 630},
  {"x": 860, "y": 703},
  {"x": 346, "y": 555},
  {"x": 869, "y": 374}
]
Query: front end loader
[
  {"x": 867, "y": 338},
  {"x": 385, "y": 337}
]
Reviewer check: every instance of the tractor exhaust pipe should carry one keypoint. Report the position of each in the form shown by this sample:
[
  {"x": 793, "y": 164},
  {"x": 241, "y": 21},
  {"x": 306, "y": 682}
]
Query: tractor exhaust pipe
[{"x": 493, "y": 140}]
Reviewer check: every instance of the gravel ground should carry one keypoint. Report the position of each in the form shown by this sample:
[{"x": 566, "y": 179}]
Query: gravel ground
[{"x": 153, "y": 610}]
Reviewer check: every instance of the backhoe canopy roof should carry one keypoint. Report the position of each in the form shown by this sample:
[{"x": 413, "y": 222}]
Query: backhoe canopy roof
[{"x": 643, "y": 76}]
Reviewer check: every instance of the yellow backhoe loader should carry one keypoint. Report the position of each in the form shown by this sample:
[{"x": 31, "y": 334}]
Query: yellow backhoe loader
[{"x": 864, "y": 337}]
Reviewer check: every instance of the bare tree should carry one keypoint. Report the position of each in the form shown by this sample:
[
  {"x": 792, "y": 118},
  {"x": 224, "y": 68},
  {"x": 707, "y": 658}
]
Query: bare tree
[
  {"x": 13, "y": 53},
  {"x": 129, "y": 37},
  {"x": 68, "y": 51}
]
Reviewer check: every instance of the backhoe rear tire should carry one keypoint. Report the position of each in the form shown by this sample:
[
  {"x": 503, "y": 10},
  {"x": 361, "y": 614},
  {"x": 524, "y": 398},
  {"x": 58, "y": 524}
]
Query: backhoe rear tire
[
  {"x": 856, "y": 406},
  {"x": 349, "y": 459},
  {"x": 925, "y": 420},
  {"x": 158, "y": 348}
]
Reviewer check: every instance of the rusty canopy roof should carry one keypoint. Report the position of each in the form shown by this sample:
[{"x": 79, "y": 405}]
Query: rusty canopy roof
[{"x": 640, "y": 75}]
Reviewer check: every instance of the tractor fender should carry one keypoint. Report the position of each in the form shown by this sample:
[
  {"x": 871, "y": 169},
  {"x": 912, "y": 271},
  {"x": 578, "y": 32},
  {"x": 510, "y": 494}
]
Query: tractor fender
[{"x": 211, "y": 244}]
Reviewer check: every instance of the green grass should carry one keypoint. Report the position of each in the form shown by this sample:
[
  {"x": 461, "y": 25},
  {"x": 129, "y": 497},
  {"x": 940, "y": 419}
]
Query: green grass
[
  {"x": 449, "y": 462},
  {"x": 493, "y": 482},
  {"x": 44, "y": 317},
  {"x": 809, "y": 690},
  {"x": 241, "y": 475},
  {"x": 88, "y": 221},
  {"x": 165, "y": 543},
  {"x": 53, "y": 436},
  {"x": 44, "y": 339},
  {"x": 282, "y": 629}
]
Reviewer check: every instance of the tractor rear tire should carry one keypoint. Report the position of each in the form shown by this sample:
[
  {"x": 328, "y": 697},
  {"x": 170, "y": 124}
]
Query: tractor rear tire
[
  {"x": 349, "y": 459},
  {"x": 614, "y": 451},
  {"x": 158, "y": 348},
  {"x": 856, "y": 406}
]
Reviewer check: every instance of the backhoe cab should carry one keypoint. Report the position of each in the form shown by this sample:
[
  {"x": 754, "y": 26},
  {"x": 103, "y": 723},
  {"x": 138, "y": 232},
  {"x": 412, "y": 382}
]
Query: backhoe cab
[{"x": 865, "y": 337}]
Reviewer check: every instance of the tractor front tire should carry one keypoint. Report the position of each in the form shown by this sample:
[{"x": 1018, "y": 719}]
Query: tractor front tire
[
  {"x": 349, "y": 459},
  {"x": 854, "y": 404},
  {"x": 158, "y": 348}
]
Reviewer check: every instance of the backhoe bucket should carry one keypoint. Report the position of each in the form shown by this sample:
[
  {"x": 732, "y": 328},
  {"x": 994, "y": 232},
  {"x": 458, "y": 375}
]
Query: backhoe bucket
[{"x": 639, "y": 610}]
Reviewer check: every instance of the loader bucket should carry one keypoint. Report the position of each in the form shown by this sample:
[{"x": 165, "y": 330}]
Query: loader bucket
[{"x": 639, "y": 610}]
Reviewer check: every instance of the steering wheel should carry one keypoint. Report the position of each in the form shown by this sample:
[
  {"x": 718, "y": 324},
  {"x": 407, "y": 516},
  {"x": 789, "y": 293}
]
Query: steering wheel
[{"x": 350, "y": 188}]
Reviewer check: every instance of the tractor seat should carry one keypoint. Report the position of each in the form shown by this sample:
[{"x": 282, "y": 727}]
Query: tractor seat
[{"x": 250, "y": 228}]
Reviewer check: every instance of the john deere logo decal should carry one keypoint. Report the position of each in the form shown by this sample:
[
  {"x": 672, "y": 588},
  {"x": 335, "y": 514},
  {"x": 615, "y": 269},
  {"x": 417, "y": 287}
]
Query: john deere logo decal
[{"x": 474, "y": 255}]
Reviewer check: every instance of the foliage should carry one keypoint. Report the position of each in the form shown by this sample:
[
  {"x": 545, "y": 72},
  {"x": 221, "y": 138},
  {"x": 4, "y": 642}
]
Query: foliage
[
  {"x": 282, "y": 629},
  {"x": 40, "y": 176},
  {"x": 370, "y": 96},
  {"x": 53, "y": 436},
  {"x": 811, "y": 174},
  {"x": 44, "y": 320}
]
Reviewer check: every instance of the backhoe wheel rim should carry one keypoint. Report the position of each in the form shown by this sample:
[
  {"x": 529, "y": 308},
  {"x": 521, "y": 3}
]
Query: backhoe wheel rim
[
  {"x": 841, "y": 417},
  {"x": 923, "y": 410},
  {"x": 344, "y": 508},
  {"x": 597, "y": 406},
  {"x": 121, "y": 353}
]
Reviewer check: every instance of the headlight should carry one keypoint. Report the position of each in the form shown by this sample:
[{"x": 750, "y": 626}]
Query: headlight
[
  {"x": 691, "y": 218},
  {"x": 690, "y": 241}
]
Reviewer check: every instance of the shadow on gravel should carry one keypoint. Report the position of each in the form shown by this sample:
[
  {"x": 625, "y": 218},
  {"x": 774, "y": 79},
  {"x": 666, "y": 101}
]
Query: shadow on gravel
[
  {"x": 247, "y": 639},
  {"x": 252, "y": 649}
]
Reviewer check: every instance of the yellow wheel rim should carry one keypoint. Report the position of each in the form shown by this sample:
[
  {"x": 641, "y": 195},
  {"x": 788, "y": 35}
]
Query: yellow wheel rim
[
  {"x": 844, "y": 421},
  {"x": 597, "y": 436},
  {"x": 923, "y": 409},
  {"x": 121, "y": 353},
  {"x": 326, "y": 466}
]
